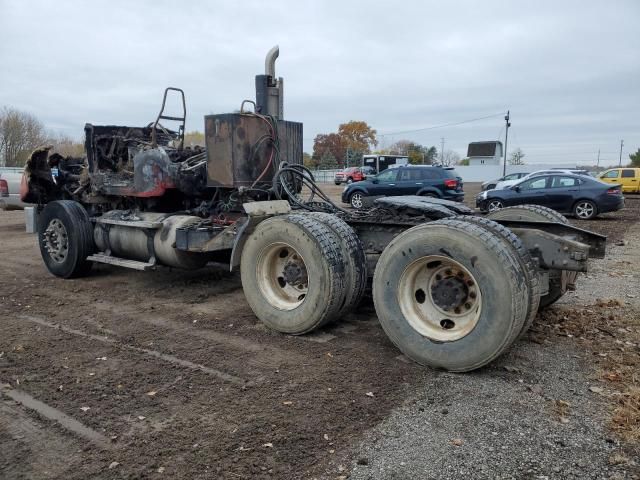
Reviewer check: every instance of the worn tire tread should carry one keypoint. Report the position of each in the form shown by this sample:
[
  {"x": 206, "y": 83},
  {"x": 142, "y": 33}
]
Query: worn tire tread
[
  {"x": 509, "y": 263},
  {"x": 526, "y": 262},
  {"x": 354, "y": 258}
]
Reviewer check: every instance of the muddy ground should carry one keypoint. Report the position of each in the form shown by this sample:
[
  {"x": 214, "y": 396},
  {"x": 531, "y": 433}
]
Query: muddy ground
[{"x": 169, "y": 374}]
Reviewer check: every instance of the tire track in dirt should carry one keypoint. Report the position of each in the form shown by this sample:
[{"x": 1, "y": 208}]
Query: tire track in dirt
[
  {"x": 34, "y": 449},
  {"x": 195, "y": 425},
  {"x": 153, "y": 353},
  {"x": 65, "y": 421}
]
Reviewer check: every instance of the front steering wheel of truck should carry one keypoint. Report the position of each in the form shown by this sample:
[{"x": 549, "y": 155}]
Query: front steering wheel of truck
[{"x": 65, "y": 235}]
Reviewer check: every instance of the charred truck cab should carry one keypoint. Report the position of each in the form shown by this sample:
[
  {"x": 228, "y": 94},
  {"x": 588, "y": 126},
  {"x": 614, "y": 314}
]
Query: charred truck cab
[{"x": 452, "y": 290}]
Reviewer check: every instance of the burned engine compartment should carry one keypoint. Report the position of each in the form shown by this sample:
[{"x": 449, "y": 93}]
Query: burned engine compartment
[{"x": 148, "y": 168}]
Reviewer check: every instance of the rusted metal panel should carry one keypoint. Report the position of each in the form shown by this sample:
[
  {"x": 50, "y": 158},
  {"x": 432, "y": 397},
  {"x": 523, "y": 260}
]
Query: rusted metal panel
[{"x": 239, "y": 149}]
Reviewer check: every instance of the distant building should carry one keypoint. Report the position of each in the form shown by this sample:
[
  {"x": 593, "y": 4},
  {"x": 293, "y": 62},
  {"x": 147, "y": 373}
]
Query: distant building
[{"x": 485, "y": 153}]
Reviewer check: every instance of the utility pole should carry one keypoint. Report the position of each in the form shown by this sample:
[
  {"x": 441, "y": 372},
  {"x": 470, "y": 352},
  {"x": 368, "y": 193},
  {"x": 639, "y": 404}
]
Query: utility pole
[
  {"x": 620, "y": 161},
  {"x": 506, "y": 139},
  {"x": 442, "y": 150},
  {"x": 598, "y": 162}
]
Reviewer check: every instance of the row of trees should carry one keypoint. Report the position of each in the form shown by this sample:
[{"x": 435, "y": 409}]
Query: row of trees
[
  {"x": 356, "y": 138},
  {"x": 344, "y": 147},
  {"x": 21, "y": 133}
]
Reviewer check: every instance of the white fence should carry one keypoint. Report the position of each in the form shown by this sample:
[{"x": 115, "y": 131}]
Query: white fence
[{"x": 471, "y": 173}]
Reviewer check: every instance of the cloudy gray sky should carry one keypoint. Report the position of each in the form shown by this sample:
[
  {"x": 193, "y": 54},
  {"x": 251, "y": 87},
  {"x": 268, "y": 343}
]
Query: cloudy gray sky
[{"x": 569, "y": 71}]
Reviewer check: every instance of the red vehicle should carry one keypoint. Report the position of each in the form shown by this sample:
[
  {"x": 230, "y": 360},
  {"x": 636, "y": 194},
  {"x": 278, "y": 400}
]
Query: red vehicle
[{"x": 349, "y": 175}]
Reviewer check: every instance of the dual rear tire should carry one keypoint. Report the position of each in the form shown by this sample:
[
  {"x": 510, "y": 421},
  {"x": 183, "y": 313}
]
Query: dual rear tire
[
  {"x": 558, "y": 279},
  {"x": 450, "y": 294},
  {"x": 302, "y": 271}
]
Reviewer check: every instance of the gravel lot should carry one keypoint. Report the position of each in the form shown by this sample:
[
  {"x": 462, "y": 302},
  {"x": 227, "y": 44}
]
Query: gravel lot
[{"x": 169, "y": 375}]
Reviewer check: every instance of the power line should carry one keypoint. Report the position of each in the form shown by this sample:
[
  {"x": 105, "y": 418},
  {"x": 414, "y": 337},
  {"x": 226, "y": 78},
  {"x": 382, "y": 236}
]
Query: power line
[{"x": 440, "y": 126}]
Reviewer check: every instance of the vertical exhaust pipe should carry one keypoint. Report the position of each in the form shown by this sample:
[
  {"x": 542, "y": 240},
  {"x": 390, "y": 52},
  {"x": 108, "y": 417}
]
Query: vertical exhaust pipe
[
  {"x": 270, "y": 61},
  {"x": 269, "y": 89}
]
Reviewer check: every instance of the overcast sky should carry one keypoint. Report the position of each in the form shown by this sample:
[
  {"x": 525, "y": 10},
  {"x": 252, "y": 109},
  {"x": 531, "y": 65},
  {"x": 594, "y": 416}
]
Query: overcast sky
[{"x": 569, "y": 72}]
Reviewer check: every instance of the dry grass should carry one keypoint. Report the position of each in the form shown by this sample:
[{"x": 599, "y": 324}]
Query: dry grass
[{"x": 610, "y": 330}]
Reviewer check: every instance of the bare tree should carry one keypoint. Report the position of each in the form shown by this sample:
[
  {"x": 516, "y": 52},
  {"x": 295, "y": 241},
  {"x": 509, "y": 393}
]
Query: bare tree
[
  {"x": 449, "y": 157},
  {"x": 66, "y": 146},
  {"x": 516, "y": 157},
  {"x": 20, "y": 133}
]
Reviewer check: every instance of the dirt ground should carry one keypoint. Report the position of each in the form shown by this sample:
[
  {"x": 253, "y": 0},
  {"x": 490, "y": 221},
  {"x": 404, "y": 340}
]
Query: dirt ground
[{"x": 169, "y": 374}]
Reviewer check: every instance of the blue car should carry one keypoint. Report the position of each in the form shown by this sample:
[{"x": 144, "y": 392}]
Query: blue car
[
  {"x": 582, "y": 196},
  {"x": 423, "y": 180}
]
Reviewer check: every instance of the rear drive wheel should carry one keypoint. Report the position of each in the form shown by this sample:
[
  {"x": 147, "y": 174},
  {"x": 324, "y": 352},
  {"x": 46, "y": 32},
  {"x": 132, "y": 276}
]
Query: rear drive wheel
[
  {"x": 65, "y": 236},
  {"x": 449, "y": 295},
  {"x": 356, "y": 200},
  {"x": 292, "y": 273},
  {"x": 429, "y": 195},
  {"x": 525, "y": 260},
  {"x": 558, "y": 279},
  {"x": 355, "y": 267},
  {"x": 585, "y": 210},
  {"x": 534, "y": 213}
]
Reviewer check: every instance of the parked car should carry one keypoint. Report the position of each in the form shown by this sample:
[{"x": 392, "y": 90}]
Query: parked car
[
  {"x": 629, "y": 178},
  {"x": 424, "y": 180},
  {"x": 580, "y": 195},
  {"x": 491, "y": 184},
  {"x": 10, "y": 179},
  {"x": 352, "y": 174},
  {"x": 508, "y": 183}
]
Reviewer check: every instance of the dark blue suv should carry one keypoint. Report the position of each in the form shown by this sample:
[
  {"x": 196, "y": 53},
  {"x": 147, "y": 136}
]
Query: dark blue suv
[{"x": 424, "y": 180}]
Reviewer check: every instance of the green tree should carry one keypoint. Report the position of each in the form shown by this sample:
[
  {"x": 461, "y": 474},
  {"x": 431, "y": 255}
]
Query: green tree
[
  {"x": 328, "y": 161},
  {"x": 328, "y": 145},
  {"x": 464, "y": 162},
  {"x": 635, "y": 159}
]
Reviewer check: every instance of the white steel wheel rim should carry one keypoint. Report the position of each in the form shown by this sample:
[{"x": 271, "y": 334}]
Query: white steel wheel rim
[
  {"x": 356, "y": 200},
  {"x": 282, "y": 276},
  {"x": 495, "y": 205},
  {"x": 584, "y": 209},
  {"x": 56, "y": 241},
  {"x": 439, "y": 298}
]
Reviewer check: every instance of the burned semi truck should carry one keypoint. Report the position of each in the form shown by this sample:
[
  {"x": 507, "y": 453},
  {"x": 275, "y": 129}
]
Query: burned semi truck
[{"x": 451, "y": 289}]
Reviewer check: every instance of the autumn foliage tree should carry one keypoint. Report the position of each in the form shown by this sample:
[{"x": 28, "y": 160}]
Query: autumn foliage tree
[{"x": 347, "y": 146}]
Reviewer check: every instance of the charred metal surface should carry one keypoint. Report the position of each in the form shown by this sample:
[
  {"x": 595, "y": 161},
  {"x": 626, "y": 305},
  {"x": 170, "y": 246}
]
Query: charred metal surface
[
  {"x": 50, "y": 177},
  {"x": 208, "y": 238},
  {"x": 239, "y": 149}
]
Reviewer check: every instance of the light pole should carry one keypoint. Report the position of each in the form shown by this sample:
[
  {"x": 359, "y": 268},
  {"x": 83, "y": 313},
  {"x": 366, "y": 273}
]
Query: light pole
[
  {"x": 506, "y": 139},
  {"x": 620, "y": 160}
]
